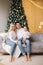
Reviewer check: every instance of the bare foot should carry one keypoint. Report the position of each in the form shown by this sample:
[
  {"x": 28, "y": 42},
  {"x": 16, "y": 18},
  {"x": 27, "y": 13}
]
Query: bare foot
[
  {"x": 11, "y": 59},
  {"x": 29, "y": 58},
  {"x": 26, "y": 58}
]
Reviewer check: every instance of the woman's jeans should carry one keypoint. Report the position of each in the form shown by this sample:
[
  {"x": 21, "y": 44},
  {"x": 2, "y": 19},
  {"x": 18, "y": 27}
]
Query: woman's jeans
[
  {"x": 12, "y": 44},
  {"x": 24, "y": 50}
]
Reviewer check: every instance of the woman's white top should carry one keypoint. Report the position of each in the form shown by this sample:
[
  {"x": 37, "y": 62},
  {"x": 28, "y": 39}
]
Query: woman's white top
[
  {"x": 26, "y": 34},
  {"x": 12, "y": 36},
  {"x": 20, "y": 33}
]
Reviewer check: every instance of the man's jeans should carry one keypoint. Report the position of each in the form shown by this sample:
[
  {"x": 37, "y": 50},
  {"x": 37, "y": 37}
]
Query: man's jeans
[
  {"x": 27, "y": 42},
  {"x": 27, "y": 49}
]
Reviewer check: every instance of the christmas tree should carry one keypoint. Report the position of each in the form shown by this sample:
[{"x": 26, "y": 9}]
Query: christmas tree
[{"x": 16, "y": 13}]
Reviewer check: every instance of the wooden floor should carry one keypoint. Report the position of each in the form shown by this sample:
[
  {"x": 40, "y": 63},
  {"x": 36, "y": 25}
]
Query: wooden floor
[
  {"x": 36, "y": 60},
  {"x": 1, "y": 64}
]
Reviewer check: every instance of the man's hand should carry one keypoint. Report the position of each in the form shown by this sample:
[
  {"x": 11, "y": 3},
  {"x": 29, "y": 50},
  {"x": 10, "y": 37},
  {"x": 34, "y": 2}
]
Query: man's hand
[{"x": 24, "y": 39}]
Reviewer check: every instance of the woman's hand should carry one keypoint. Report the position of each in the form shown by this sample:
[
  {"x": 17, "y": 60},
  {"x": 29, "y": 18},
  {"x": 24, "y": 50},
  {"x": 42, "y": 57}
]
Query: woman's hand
[{"x": 16, "y": 42}]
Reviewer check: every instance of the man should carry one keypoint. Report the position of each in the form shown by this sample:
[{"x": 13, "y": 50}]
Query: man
[{"x": 20, "y": 33}]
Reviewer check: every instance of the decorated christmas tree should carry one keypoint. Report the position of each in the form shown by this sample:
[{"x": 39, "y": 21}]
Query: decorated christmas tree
[{"x": 16, "y": 13}]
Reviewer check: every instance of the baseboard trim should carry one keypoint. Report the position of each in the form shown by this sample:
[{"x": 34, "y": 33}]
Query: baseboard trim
[
  {"x": 4, "y": 53},
  {"x": 36, "y": 53}
]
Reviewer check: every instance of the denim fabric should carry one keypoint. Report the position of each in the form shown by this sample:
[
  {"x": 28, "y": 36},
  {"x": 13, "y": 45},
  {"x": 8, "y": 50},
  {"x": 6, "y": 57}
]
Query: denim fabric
[
  {"x": 27, "y": 43},
  {"x": 12, "y": 44},
  {"x": 20, "y": 42}
]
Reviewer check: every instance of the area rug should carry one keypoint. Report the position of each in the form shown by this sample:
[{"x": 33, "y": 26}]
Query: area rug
[{"x": 1, "y": 64}]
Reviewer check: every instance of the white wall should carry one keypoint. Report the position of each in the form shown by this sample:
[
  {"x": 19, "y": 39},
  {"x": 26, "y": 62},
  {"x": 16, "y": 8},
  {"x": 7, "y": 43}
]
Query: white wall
[{"x": 3, "y": 17}]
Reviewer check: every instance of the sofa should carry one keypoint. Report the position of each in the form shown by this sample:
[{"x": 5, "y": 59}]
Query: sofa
[{"x": 36, "y": 43}]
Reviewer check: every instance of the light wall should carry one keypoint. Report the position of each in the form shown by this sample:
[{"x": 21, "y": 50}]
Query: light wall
[
  {"x": 34, "y": 16},
  {"x": 3, "y": 15}
]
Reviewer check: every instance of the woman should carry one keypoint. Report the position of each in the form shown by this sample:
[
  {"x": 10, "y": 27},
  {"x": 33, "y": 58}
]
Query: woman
[{"x": 11, "y": 39}]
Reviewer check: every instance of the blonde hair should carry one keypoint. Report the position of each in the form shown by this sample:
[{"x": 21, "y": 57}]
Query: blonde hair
[{"x": 12, "y": 24}]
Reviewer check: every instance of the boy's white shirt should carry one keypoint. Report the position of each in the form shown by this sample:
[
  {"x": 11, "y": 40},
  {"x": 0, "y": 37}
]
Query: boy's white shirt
[{"x": 26, "y": 34}]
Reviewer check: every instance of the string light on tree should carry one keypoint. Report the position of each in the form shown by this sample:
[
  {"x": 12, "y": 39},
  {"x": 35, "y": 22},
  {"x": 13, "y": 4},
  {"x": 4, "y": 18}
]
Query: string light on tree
[{"x": 16, "y": 13}]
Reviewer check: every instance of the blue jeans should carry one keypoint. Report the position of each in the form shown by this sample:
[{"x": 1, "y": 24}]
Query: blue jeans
[
  {"x": 20, "y": 42},
  {"x": 27, "y": 49},
  {"x": 12, "y": 44},
  {"x": 27, "y": 43}
]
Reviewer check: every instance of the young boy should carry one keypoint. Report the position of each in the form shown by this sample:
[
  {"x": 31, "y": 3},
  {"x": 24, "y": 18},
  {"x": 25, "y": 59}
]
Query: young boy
[{"x": 27, "y": 34}]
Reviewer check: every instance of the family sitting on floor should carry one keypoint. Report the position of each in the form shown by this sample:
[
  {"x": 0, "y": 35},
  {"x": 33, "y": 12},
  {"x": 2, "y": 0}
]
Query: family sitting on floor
[{"x": 19, "y": 36}]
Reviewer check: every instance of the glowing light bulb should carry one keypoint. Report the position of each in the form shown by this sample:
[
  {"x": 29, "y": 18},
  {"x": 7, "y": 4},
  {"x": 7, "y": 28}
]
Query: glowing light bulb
[{"x": 39, "y": 26}]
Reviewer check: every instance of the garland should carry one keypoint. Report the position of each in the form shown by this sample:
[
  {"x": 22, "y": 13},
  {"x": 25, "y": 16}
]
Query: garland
[{"x": 36, "y": 4}]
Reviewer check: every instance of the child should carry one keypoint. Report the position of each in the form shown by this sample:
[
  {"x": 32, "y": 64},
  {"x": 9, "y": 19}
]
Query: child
[
  {"x": 26, "y": 42},
  {"x": 27, "y": 34}
]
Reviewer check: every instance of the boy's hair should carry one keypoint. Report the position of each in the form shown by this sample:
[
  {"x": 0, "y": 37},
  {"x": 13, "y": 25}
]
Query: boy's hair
[{"x": 27, "y": 27}]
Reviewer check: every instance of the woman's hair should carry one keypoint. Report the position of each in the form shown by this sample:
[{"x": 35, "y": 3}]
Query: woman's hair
[{"x": 12, "y": 24}]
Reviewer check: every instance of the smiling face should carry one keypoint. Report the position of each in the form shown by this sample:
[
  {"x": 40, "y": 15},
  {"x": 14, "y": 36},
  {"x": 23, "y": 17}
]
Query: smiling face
[
  {"x": 13, "y": 27},
  {"x": 25, "y": 28},
  {"x": 18, "y": 25}
]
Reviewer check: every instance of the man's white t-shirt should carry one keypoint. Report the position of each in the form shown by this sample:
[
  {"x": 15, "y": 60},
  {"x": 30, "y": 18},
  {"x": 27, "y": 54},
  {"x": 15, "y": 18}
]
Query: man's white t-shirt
[{"x": 20, "y": 33}]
